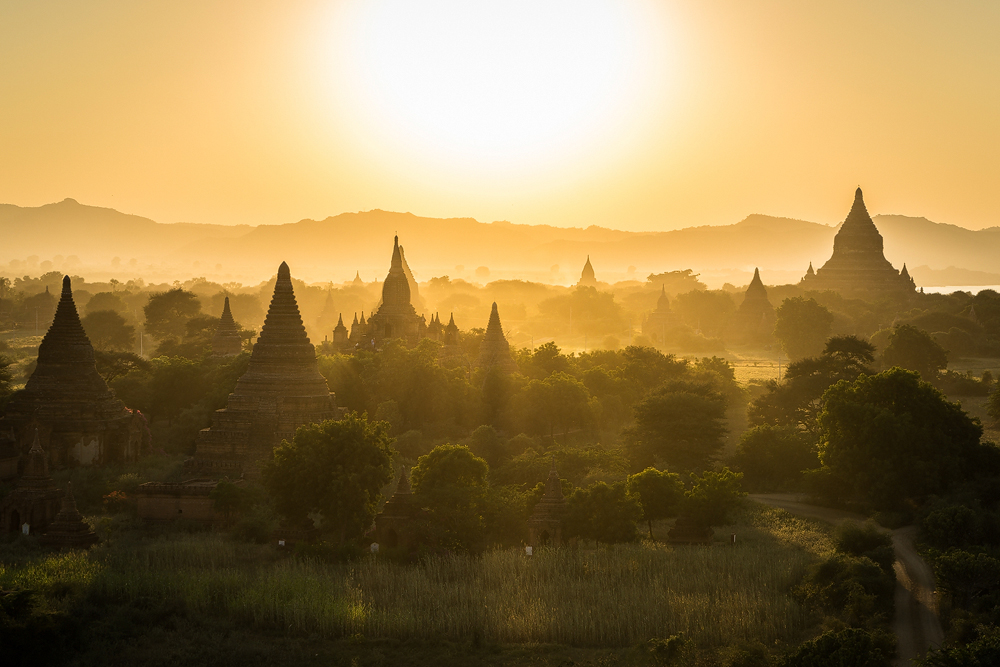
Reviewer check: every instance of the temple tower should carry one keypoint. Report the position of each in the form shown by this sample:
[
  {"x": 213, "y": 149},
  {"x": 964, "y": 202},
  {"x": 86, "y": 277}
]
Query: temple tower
[
  {"x": 78, "y": 416},
  {"x": 227, "y": 342},
  {"x": 340, "y": 333},
  {"x": 858, "y": 264},
  {"x": 394, "y": 524},
  {"x": 661, "y": 321},
  {"x": 281, "y": 390},
  {"x": 494, "y": 351},
  {"x": 587, "y": 277},
  {"x": 545, "y": 524},
  {"x": 754, "y": 321},
  {"x": 396, "y": 316}
]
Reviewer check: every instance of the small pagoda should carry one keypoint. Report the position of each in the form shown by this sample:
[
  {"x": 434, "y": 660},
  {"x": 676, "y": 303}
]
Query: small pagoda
[
  {"x": 281, "y": 390},
  {"x": 546, "y": 522},
  {"x": 661, "y": 321},
  {"x": 394, "y": 525},
  {"x": 68, "y": 530},
  {"x": 79, "y": 419},
  {"x": 35, "y": 499},
  {"x": 227, "y": 342},
  {"x": 587, "y": 277},
  {"x": 494, "y": 350},
  {"x": 754, "y": 320},
  {"x": 858, "y": 266}
]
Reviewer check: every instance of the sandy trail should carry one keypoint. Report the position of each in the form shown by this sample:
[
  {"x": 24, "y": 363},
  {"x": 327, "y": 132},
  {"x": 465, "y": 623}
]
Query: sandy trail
[{"x": 916, "y": 623}]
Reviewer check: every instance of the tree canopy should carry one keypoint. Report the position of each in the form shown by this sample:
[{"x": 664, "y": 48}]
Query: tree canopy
[
  {"x": 659, "y": 493},
  {"x": 681, "y": 424},
  {"x": 801, "y": 326},
  {"x": 167, "y": 313},
  {"x": 913, "y": 349},
  {"x": 889, "y": 437},
  {"x": 336, "y": 468}
]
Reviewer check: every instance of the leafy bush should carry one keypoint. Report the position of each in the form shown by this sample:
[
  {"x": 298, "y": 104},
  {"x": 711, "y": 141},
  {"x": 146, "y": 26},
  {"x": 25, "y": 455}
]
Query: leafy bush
[
  {"x": 865, "y": 540},
  {"x": 852, "y": 647}
]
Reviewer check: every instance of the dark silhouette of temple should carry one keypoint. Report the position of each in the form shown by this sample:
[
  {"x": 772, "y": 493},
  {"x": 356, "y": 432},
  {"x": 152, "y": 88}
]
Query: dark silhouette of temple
[
  {"x": 587, "y": 276},
  {"x": 35, "y": 499},
  {"x": 858, "y": 265},
  {"x": 79, "y": 419},
  {"x": 227, "y": 342},
  {"x": 494, "y": 350},
  {"x": 546, "y": 521},
  {"x": 754, "y": 320},
  {"x": 281, "y": 390},
  {"x": 661, "y": 321}
]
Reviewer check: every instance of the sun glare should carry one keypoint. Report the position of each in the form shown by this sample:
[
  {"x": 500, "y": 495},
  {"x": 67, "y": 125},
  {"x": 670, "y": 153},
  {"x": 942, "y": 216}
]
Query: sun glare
[{"x": 506, "y": 84}]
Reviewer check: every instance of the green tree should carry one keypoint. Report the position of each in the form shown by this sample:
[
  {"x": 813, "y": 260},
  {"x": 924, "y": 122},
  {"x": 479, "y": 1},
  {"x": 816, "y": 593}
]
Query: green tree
[
  {"x": 707, "y": 310},
  {"x": 559, "y": 401},
  {"x": 798, "y": 399},
  {"x": 167, "y": 313},
  {"x": 107, "y": 301},
  {"x": 6, "y": 378},
  {"x": 451, "y": 483},
  {"x": 603, "y": 513},
  {"x": 336, "y": 468},
  {"x": 113, "y": 365},
  {"x": 913, "y": 349},
  {"x": 659, "y": 492},
  {"x": 801, "y": 326},
  {"x": 713, "y": 496},
  {"x": 681, "y": 424},
  {"x": 773, "y": 457},
  {"x": 890, "y": 437},
  {"x": 108, "y": 331}
]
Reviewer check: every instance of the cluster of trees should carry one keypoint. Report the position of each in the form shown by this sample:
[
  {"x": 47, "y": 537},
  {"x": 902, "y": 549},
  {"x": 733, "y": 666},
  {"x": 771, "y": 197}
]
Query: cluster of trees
[{"x": 339, "y": 469}]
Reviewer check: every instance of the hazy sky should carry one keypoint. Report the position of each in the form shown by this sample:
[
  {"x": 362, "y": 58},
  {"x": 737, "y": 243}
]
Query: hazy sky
[{"x": 635, "y": 115}]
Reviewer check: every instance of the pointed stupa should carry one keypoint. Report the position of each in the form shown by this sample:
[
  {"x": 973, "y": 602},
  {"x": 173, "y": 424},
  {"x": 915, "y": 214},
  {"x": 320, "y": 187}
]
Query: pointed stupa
[
  {"x": 587, "y": 277},
  {"x": 754, "y": 320},
  {"x": 858, "y": 264},
  {"x": 545, "y": 524},
  {"x": 396, "y": 317},
  {"x": 340, "y": 332},
  {"x": 410, "y": 280},
  {"x": 81, "y": 419},
  {"x": 227, "y": 342},
  {"x": 494, "y": 350},
  {"x": 357, "y": 279},
  {"x": 394, "y": 525},
  {"x": 663, "y": 302},
  {"x": 281, "y": 390},
  {"x": 68, "y": 530},
  {"x": 810, "y": 271}
]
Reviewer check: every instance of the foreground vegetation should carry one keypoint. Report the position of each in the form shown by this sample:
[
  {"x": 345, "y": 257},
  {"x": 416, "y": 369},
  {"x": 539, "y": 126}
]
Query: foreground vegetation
[{"x": 609, "y": 601}]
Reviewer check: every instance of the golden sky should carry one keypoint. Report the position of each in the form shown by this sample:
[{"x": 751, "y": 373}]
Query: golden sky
[{"x": 627, "y": 114}]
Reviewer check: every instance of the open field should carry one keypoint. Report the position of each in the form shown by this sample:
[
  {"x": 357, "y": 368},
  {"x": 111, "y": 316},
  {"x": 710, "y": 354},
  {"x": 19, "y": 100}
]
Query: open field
[{"x": 605, "y": 597}]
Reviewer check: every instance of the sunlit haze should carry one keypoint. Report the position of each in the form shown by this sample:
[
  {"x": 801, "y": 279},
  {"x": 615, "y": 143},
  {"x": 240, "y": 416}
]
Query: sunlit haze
[{"x": 631, "y": 115}]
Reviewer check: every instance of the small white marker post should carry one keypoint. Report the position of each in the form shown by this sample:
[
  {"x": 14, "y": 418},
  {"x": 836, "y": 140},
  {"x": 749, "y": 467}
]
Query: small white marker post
[{"x": 528, "y": 550}]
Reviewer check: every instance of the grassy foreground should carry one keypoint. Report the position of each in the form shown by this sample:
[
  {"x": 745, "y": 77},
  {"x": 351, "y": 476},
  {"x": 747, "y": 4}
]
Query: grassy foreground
[{"x": 607, "y": 599}]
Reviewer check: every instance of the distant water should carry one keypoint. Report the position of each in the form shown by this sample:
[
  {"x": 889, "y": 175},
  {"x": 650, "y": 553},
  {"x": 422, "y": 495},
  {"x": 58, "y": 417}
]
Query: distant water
[{"x": 948, "y": 289}]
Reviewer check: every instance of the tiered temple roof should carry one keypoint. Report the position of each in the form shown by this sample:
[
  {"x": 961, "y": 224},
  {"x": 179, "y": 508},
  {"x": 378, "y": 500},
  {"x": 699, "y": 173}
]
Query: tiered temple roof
[
  {"x": 494, "y": 351},
  {"x": 281, "y": 390},
  {"x": 394, "y": 524},
  {"x": 227, "y": 342},
  {"x": 858, "y": 263},
  {"x": 79, "y": 418}
]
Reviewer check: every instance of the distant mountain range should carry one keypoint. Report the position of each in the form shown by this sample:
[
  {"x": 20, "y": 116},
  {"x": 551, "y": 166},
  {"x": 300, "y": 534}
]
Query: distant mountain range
[{"x": 332, "y": 249}]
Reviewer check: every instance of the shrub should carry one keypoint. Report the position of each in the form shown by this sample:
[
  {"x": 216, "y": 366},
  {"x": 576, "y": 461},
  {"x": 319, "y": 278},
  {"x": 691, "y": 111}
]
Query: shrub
[{"x": 854, "y": 647}]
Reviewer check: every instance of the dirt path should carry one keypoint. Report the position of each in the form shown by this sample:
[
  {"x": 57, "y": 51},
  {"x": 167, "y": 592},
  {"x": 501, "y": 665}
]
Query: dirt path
[{"x": 916, "y": 623}]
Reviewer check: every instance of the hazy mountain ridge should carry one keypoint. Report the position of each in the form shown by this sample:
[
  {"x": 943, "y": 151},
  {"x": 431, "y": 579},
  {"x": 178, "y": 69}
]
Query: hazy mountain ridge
[{"x": 434, "y": 246}]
